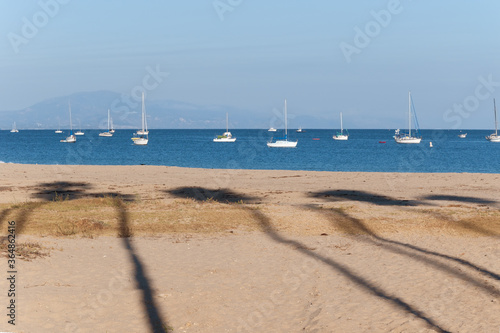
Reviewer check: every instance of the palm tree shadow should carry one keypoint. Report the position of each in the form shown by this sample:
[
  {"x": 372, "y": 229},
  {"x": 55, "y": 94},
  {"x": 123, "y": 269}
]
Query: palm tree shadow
[
  {"x": 220, "y": 195},
  {"x": 48, "y": 192},
  {"x": 353, "y": 225},
  {"x": 156, "y": 321},
  {"x": 363, "y": 196},
  {"x": 204, "y": 194},
  {"x": 464, "y": 224},
  {"x": 459, "y": 198}
]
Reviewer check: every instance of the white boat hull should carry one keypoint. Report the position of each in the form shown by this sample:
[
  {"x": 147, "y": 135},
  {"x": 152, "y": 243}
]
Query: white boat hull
[
  {"x": 493, "y": 138},
  {"x": 224, "y": 139},
  {"x": 105, "y": 134},
  {"x": 142, "y": 133},
  {"x": 340, "y": 137},
  {"x": 70, "y": 139},
  {"x": 58, "y": 131},
  {"x": 141, "y": 141},
  {"x": 407, "y": 140},
  {"x": 462, "y": 136},
  {"x": 282, "y": 144},
  {"x": 14, "y": 131},
  {"x": 79, "y": 133},
  {"x": 272, "y": 130}
]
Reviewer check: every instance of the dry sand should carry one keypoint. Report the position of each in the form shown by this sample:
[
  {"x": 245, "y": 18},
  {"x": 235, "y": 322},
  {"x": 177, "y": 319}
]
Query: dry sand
[{"x": 328, "y": 252}]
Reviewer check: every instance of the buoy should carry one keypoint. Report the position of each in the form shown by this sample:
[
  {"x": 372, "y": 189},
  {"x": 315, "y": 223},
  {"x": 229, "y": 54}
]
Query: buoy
[
  {"x": 381, "y": 142},
  {"x": 430, "y": 144},
  {"x": 315, "y": 138}
]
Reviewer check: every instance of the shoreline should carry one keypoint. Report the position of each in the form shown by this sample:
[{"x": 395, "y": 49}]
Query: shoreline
[{"x": 219, "y": 169}]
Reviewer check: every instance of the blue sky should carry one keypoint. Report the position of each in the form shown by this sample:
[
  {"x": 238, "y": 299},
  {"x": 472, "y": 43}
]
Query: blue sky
[{"x": 253, "y": 54}]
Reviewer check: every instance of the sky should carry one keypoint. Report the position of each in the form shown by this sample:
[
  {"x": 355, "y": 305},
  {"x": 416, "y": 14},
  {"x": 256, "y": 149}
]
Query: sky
[{"x": 325, "y": 57}]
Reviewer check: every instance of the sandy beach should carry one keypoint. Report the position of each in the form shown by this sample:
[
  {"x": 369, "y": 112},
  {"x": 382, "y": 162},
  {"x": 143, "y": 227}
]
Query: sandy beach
[{"x": 168, "y": 249}]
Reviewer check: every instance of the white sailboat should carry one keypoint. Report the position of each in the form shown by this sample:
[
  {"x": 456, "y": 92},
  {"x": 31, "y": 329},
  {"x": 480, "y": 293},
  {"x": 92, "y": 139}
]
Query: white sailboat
[
  {"x": 71, "y": 138},
  {"x": 141, "y": 137},
  {"x": 108, "y": 133},
  {"x": 144, "y": 130},
  {"x": 341, "y": 135},
  {"x": 494, "y": 137},
  {"x": 408, "y": 138},
  {"x": 462, "y": 135},
  {"x": 58, "y": 131},
  {"x": 14, "y": 129},
  {"x": 283, "y": 142},
  {"x": 272, "y": 129},
  {"x": 112, "y": 129},
  {"x": 227, "y": 136},
  {"x": 79, "y": 132}
]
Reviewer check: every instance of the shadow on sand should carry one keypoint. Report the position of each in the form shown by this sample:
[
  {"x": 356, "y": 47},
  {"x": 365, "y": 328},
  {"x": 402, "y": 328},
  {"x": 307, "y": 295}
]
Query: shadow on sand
[
  {"x": 48, "y": 192},
  {"x": 220, "y": 195}
]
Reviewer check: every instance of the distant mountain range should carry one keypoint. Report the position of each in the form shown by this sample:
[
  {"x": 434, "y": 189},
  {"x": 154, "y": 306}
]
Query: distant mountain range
[{"x": 89, "y": 110}]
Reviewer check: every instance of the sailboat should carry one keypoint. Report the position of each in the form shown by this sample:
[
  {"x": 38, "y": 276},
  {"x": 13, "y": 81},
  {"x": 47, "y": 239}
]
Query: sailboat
[
  {"x": 226, "y": 137},
  {"x": 462, "y": 135},
  {"x": 341, "y": 135},
  {"x": 14, "y": 129},
  {"x": 141, "y": 137},
  {"x": 112, "y": 130},
  {"x": 144, "y": 130},
  {"x": 58, "y": 131},
  {"x": 79, "y": 132},
  {"x": 283, "y": 142},
  {"x": 106, "y": 133},
  {"x": 407, "y": 138},
  {"x": 71, "y": 138},
  {"x": 494, "y": 137}
]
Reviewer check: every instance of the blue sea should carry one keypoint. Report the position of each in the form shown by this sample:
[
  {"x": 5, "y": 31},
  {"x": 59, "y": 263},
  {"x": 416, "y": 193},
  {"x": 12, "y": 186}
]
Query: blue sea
[{"x": 316, "y": 150}]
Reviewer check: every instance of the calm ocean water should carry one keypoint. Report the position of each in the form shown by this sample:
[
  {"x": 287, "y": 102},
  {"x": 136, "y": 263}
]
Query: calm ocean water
[{"x": 194, "y": 148}]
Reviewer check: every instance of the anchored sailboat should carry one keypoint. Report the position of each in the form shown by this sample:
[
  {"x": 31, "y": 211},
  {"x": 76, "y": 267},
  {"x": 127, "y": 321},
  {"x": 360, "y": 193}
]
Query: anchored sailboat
[
  {"x": 71, "y": 138},
  {"x": 407, "y": 138},
  {"x": 341, "y": 135},
  {"x": 141, "y": 137},
  {"x": 108, "y": 133},
  {"x": 227, "y": 136},
  {"x": 283, "y": 142},
  {"x": 79, "y": 132},
  {"x": 14, "y": 129},
  {"x": 494, "y": 137},
  {"x": 58, "y": 131}
]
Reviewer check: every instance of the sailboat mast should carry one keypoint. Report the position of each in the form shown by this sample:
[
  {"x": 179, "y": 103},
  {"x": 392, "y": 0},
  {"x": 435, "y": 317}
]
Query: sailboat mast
[
  {"x": 496, "y": 122},
  {"x": 108, "y": 120},
  {"x": 409, "y": 114},
  {"x": 70, "y": 122},
  {"x": 286, "y": 124},
  {"x": 341, "y": 125},
  {"x": 227, "y": 123},
  {"x": 143, "y": 117}
]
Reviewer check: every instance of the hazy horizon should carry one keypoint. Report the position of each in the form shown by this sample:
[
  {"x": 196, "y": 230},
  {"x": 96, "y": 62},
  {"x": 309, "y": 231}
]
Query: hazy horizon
[{"x": 360, "y": 58}]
